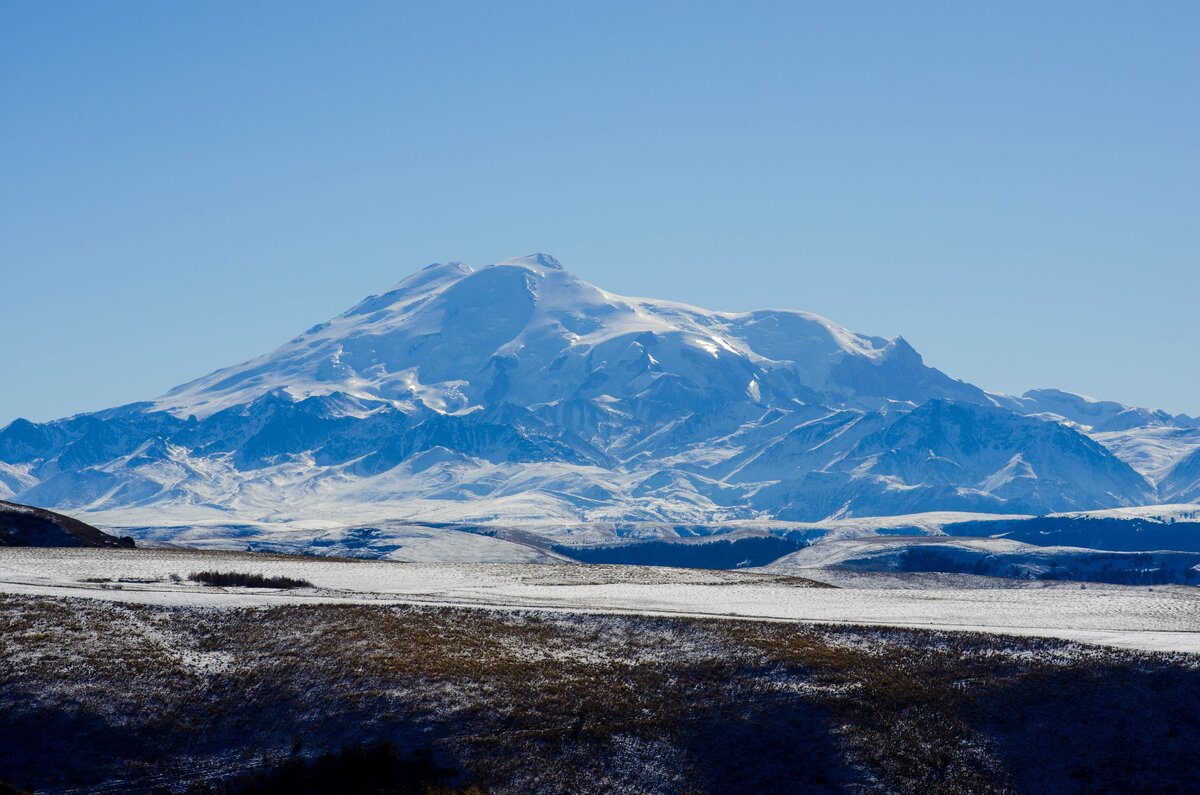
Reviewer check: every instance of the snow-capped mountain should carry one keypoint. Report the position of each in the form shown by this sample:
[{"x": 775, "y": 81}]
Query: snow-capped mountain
[
  {"x": 519, "y": 393},
  {"x": 451, "y": 339},
  {"x": 1099, "y": 416}
]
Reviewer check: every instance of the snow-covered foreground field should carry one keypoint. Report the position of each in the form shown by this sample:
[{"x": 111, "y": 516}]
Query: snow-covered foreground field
[{"x": 1152, "y": 619}]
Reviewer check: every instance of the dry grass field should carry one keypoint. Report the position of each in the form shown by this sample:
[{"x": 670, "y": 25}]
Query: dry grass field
[{"x": 100, "y": 696}]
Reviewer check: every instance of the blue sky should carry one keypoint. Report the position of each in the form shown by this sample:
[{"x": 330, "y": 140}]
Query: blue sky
[{"x": 1014, "y": 188}]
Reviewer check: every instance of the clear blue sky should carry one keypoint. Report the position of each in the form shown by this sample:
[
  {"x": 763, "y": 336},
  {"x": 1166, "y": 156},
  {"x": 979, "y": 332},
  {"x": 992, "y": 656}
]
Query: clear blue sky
[{"x": 1013, "y": 187}]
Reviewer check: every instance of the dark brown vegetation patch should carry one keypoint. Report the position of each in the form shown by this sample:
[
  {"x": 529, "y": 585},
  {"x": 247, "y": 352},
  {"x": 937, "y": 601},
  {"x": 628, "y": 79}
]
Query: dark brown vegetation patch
[
  {"x": 240, "y": 580},
  {"x": 536, "y": 702}
]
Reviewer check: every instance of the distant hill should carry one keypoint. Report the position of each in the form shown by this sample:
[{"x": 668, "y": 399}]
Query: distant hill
[
  {"x": 993, "y": 557},
  {"x": 23, "y": 526}
]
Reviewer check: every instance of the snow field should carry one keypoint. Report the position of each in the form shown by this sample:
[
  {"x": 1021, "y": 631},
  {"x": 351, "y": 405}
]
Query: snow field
[{"x": 1152, "y": 619}]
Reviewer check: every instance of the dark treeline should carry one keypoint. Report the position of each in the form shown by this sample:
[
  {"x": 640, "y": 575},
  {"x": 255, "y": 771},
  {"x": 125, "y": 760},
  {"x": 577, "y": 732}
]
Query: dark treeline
[{"x": 240, "y": 580}]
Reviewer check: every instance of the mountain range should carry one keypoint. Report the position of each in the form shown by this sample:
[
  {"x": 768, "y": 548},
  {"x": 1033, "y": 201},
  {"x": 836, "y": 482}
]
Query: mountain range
[{"x": 520, "y": 394}]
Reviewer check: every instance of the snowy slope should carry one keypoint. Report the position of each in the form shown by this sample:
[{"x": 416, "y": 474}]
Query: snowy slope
[
  {"x": 1149, "y": 440},
  {"x": 996, "y": 557},
  {"x": 1181, "y": 482},
  {"x": 1152, "y": 450},
  {"x": 520, "y": 394}
]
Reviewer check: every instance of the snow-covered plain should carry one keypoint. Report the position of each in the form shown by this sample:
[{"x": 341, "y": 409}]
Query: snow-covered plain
[{"x": 1154, "y": 619}]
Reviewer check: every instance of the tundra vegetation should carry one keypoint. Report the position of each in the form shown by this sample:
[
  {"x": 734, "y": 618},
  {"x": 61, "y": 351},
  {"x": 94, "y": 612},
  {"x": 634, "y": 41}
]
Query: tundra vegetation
[{"x": 101, "y": 696}]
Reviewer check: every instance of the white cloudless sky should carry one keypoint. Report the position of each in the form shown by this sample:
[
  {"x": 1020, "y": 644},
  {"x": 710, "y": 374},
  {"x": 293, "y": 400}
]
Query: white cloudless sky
[{"x": 1014, "y": 188}]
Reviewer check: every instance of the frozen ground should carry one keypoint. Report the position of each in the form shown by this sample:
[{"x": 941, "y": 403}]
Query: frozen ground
[{"x": 1154, "y": 619}]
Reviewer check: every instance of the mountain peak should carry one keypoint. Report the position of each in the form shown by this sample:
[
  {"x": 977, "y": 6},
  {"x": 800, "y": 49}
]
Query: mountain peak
[
  {"x": 537, "y": 259},
  {"x": 526, "y": 331},
  {"x": 454, "y": 266}
]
